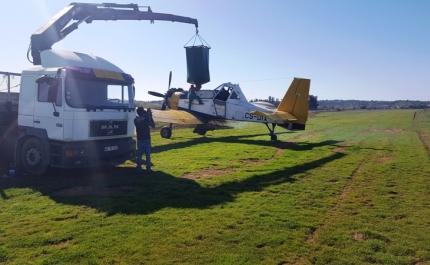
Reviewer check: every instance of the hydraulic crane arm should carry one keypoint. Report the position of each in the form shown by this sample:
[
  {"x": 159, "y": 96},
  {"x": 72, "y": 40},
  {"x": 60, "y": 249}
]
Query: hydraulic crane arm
[{"x": 56, "y": 29}]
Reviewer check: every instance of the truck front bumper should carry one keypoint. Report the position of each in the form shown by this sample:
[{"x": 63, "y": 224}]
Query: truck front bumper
[{"x": 92, "y": 153}]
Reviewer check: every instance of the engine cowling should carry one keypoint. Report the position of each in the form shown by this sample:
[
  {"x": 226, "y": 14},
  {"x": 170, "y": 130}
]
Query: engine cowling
[{"x": 174, "y": 100}]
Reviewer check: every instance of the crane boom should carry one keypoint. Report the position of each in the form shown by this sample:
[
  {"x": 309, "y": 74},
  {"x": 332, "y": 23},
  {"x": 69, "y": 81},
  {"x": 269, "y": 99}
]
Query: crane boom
[{"x": 57, "y": 27}]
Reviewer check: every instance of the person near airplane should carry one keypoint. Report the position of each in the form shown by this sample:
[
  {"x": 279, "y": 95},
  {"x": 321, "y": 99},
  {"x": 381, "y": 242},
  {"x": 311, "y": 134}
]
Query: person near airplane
[
  {"x": 192, "y": 95},
  {"x": 142, "y": 122}
]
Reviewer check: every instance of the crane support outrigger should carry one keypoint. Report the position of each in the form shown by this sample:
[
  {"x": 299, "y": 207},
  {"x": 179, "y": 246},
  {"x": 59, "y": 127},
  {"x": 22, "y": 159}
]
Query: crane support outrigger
[{"x": 58, "y": 26}]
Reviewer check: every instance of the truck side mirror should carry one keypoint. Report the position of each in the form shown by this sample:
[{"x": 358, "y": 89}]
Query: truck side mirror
[
  {"x": 52, "y": 94},
  {"x": 52, "y": 97}
]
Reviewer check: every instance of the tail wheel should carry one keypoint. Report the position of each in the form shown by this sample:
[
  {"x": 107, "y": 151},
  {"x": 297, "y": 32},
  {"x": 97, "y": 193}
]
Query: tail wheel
[
  {"x": 34, "y": 157},
  {"x": 273, "y": 137},
  {"x": 166, "y": 132}
]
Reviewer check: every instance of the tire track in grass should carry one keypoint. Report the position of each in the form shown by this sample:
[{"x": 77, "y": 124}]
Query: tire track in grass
[
  {"x": 424, "y": 140},
  {"x": 312, "y": 134},
  {"x": 332, "y": 212}
]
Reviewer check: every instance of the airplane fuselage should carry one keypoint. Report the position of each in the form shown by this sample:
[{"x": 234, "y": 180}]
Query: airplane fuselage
[{"x": 231, "y": 106}]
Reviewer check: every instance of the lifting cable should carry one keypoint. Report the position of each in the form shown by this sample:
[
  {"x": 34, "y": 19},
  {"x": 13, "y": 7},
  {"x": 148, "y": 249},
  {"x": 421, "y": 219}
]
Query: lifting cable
[{"x": 197, "y": 37}]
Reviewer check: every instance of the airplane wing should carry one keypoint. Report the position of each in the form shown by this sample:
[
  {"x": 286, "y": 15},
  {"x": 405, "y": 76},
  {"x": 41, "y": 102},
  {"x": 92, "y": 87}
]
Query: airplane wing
[
  {"x": 275, "y": 115},
  {"x": 175, "y": 116}
]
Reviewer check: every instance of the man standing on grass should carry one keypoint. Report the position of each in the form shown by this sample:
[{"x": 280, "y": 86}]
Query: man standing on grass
[{"x": 142, "y": 123}]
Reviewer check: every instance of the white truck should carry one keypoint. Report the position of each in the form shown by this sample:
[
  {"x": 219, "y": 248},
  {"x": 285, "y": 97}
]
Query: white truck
[{"x": 73, "y": 110}]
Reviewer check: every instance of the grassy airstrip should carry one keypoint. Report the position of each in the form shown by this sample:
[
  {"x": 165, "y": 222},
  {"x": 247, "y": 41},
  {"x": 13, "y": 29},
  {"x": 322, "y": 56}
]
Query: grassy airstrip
[{"x": 352, "y": 189}]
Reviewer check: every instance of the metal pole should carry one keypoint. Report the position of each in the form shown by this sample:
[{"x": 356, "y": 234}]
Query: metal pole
[{"x": 8, "y": 87}]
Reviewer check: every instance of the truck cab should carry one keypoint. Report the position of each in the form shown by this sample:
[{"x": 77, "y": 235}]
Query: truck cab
[{"x": 75, "y": 110}]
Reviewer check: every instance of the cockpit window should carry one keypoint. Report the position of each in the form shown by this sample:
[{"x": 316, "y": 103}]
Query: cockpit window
[
  {"x": 223, "y": 93},
  {"x": 235, "y": 95}
]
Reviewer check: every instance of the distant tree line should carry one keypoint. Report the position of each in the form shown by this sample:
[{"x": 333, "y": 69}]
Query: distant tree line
[
  {"x": 335, "y": 104},
  {"x": 313, "y": 101},
  {"x": 339, "y": 105},
  {"x": 270, "y": 99}
]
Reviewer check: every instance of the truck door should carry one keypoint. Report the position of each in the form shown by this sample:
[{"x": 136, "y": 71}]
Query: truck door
[{"x": 48, "y": 110}]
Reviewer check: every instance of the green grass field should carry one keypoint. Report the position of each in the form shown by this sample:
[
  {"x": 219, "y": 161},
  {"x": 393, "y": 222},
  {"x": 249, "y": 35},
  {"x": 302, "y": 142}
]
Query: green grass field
[{"x": 352, "y": 189}]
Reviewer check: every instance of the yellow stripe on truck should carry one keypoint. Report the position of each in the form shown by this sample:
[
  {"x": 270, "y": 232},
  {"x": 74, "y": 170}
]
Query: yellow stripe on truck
[{"x": 108, "y": 74}]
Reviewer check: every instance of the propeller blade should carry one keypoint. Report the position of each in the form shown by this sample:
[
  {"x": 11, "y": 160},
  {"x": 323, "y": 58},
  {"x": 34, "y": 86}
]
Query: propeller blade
[
  {"x": 170, "y": 79},
  {"x": 156, "y": 94}
]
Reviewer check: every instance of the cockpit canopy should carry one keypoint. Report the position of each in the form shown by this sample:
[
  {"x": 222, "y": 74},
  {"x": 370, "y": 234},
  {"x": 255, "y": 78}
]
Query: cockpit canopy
[{"x": 228, "y": 91}]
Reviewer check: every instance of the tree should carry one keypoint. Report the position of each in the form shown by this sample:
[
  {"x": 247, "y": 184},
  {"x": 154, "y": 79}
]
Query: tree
[{"x": 313, "y": 102}]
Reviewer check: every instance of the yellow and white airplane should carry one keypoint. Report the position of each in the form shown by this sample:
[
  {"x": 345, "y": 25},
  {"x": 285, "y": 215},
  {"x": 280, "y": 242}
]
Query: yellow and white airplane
[{"x": 227, "y": 102}]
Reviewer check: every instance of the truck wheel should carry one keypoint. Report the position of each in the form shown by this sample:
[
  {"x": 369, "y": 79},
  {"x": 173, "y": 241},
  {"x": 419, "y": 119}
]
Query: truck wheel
[
  {"x": 34, "y": 157},
  {"x": 166, "y": 132}
]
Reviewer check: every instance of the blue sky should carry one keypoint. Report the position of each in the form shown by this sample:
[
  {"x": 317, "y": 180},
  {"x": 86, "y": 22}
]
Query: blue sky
[{"x": 364, "y": 50}]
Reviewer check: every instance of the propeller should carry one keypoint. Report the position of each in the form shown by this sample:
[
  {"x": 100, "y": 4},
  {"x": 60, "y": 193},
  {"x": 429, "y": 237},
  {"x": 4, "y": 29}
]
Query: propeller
[
  {"x": 156, "y": 94},
  {"x": 167, "y": 95},
  {"x": 170, "y": 80},
  {"x": 163, "y": 107}
]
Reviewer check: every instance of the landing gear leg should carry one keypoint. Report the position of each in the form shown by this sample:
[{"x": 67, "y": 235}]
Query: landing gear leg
[{"x": 273, "y": 136}]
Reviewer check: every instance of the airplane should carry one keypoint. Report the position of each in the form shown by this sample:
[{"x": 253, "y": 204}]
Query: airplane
[{"x": 227, "y": 102}]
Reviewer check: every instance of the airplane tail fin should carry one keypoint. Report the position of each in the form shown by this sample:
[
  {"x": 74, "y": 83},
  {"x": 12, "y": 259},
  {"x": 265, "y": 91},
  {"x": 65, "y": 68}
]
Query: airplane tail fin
[{"x": 295, "y": 100}]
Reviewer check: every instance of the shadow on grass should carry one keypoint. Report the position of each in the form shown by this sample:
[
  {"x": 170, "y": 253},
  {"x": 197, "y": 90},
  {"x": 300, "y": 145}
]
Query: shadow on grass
[
  {"x": 247, "y": 139},
  {"x": 121, "y": 190},
  {"x": 2, "y": 194}
]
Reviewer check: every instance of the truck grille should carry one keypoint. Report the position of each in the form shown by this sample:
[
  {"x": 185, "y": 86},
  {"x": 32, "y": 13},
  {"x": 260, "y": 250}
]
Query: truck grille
[{"x": 108, "y": 128}]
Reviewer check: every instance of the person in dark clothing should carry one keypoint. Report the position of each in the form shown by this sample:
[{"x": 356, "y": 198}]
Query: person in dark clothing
[{"x": 142, "y": 123}]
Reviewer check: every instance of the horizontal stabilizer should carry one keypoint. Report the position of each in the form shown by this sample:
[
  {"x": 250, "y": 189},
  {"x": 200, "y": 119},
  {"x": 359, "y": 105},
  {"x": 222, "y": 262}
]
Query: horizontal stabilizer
[
  {"x": 275, "y": 115},
  {"x": 175, "y": 116}
]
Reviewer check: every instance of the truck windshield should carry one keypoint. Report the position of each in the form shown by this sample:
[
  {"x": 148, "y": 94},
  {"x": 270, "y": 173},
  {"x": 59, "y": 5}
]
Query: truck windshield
[{"x": 98, "y": 94}]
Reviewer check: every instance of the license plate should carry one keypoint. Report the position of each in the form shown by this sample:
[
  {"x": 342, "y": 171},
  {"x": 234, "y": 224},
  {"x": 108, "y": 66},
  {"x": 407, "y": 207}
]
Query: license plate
[{"x": 111, "y": 148}]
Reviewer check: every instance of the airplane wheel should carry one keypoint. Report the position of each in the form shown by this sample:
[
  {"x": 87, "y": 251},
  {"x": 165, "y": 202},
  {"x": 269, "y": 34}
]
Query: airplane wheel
[
  {"x": 273, "y": 137},
  {"x": 34, "y": 157},
  {"x": 166, "y": 132},
  {"x": 202, "y": 132}
]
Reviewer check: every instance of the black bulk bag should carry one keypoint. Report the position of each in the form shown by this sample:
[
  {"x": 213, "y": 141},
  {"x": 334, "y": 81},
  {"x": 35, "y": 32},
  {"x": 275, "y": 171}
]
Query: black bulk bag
[
  {"x": 197, "y": 64},
  {"x": 197, "y": 61}
]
